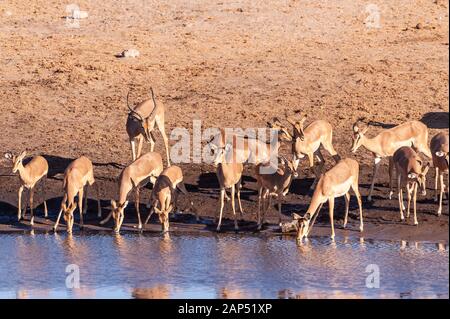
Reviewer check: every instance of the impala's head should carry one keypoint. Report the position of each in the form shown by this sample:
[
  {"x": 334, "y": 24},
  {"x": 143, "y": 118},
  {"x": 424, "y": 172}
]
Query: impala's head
[
  {"x": 298, "y": 126},
  {"x": 302, "y": 225},
  {"x": 358, "y": 134},
  {"x": 143, "y": 122},
  {"x": 289, "y": 166},
  {"x": 118, "y": 214},
  {"x": 443, "y": 155},
  {"x": 16, "y": 160},
  {"x": 283, "y": 133},
  {"x": 298, "y": 223},
  {"x": 220, "y": 152},
  {"x": 163, "y": 218},
  {"x": 420, "y": 178},
  {"x": 68, "y": 215}
]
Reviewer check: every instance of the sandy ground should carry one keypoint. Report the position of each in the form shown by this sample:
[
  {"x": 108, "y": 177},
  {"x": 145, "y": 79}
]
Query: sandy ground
[{"x": 230, "y": 64}]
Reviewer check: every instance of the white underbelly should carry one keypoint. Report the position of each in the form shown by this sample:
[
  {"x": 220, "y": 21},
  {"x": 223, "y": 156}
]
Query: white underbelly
[{"x": 343, "y": 188}]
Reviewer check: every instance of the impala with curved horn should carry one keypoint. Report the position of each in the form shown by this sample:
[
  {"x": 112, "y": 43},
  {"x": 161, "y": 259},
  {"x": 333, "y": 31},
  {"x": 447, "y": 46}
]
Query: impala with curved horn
[
  {"x": 141, "y": 122},
  {"x": 413, "y": 133},
  {"x": 307, "y": 142}
]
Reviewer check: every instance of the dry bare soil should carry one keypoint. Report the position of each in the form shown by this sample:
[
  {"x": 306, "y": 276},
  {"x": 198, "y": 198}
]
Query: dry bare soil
[{"x": 230, "y": 64}]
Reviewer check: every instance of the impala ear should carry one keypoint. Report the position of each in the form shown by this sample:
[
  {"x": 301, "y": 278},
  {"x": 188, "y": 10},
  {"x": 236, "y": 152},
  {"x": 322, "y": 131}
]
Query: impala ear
[
  {"x": 425, "y": 170},
  {"x": 355, "y": 128},
  {"x": 412, "y": 175}
]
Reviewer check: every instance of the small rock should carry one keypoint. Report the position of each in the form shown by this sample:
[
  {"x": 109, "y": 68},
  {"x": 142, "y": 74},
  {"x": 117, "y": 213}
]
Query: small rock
[
  {"x": 419, "y": 26},
  {"x": 77, "y": 14},
  {"x": 130, "y": 53}
]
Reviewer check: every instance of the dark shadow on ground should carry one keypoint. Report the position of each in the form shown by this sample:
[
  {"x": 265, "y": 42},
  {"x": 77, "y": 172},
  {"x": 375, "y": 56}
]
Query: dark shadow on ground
[{"x": 436, "y": 120}]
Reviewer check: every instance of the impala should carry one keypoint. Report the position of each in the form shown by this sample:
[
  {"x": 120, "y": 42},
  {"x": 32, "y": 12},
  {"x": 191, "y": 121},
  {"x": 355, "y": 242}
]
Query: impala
[
  {"x": 412, "y": 174},
  {"x": 77, "y": 176},
  {"x": 439, "y": 150},
  {"x": 413, "y": 133},
  {"x": 29, "y": 175},
  {"x": 144, "y": 169},
  {"x": 307, "y": 142},
  {"x": 229, "y": 173},
  {"x": 141, "y": 122},
  {"x": 273, "y": 185},
  {"x": 164, "y": 194},
  {"x": 336, "y": 182}
]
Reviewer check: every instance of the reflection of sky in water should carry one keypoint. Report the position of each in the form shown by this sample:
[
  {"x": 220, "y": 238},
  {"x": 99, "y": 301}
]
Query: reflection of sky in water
[{"x": 217, "y": 266}]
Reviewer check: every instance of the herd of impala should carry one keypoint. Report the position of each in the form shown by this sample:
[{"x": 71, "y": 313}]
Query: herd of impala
[{"x": 400, "y": 144}]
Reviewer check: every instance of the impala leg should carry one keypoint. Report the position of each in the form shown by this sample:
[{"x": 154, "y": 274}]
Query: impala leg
[
  {"x": 31, "y": 206},
  {"x": 133, "y": 148},
  {"x": 441, "y": 192},
  {"x": 140, "y": 143},
  {"x": 267, "y": 202},
  {"x": 436, "y": 179},
  {"x": 233, "y": 191},
  {"x": 415, "y": 204},
  {"x": 347, "y": 207},
  {"x": 279, "y": 209},
  {"x": 160, "y": 124},
  {"x": 19, "y": 203},
  {"x": 331, "y": 212},
  {"x": 85, "y": 197},
  {"x": 239, "y": 186},
  {"x": 99, "y": 206},
  {"x": 375, "y": 173},
  {"x": 358, "y": 198},
  {"x": 222, "y": 199},
  {"x": 400, "y": 196},
  {"x": 43, "y": 196},
  {"x": 26, "y": 204},
  {"x": 136, "y": 205},
  {"x": 80, "y": 206},
  {"x": 409, "y": 190},
  {"x": 391, "y": 174},
  {"x": 150, "y": 213},
  {"x": 60, "y": 212},
  {"x": 258, "y": 218}
]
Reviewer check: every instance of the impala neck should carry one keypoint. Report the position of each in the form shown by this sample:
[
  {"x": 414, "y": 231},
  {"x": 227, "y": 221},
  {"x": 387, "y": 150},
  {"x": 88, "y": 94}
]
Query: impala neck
[
  {"x": 372, "y": 144},
  {"x": 315, "y": 203},
  {"x": 23, "y": 173}
]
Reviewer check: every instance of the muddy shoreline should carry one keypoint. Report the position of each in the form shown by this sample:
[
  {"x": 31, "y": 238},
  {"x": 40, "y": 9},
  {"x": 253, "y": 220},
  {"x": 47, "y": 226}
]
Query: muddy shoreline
[{"x": 381, "y": 218}]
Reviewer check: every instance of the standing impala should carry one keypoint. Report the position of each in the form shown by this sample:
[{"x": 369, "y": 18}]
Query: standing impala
[
  {"x": 164, "y": 194},
  {"x": 77, "y": 176},
  {"x": 273, "y": 185},
  {"x": 336, "y": 182},
  {"x": 412, "y": 174},
  {"x": 413, "y": 133},
  {"x": 141, "y": 122},
  {"x": 439, "y": 150},
  {"x": 307, "y": 142},
  {"x": 146, "y": 168},
  {"x": 29, "y": 175},
  {"x": 229, "y": 173}
]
